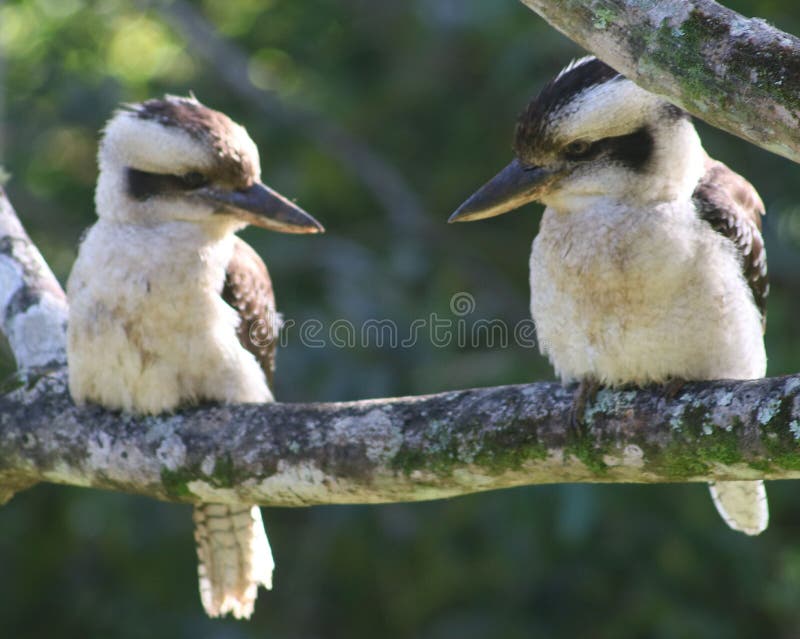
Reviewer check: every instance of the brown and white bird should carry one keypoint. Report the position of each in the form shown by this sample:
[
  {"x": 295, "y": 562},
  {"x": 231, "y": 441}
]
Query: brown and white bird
[
  {"x": 168, "y": 307},
  {"x": 649, "y": 266}
]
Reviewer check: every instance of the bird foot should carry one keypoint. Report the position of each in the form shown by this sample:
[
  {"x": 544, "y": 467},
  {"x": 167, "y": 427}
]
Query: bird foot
[
  {"x": 673, "y": 387},
  {"x": 585, "y": 394}
]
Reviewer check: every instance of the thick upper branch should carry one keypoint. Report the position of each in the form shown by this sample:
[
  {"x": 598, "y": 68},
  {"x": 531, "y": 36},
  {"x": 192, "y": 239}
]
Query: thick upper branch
[{"x": 741, "y": 75}]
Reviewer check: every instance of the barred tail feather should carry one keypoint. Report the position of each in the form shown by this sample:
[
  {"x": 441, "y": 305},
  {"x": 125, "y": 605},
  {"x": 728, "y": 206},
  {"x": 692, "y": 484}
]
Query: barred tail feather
[
  {"x": 742, "y": 504},
  {"x": 234, "y": 557}
]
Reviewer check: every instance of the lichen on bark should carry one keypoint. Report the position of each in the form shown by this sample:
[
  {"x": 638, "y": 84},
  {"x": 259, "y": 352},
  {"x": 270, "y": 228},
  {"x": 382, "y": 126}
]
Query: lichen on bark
[
  {"x": 402, "y": 449},
  {"x": 739, "y": 74}
]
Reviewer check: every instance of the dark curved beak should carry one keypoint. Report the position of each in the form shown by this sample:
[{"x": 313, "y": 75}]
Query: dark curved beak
[
  {"x": 261, "y": 206},
  {"x": 514, "y": 186}
]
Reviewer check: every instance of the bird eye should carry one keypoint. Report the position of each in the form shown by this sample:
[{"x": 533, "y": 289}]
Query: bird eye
[
  {"x": 577, "y": 149},
  {"x": 194, "y": 180}
]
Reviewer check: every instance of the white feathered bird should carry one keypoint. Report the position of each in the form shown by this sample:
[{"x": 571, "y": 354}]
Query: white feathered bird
[
  {"x": 168, "y": 307},
  {"x": 649, "y": 266}
]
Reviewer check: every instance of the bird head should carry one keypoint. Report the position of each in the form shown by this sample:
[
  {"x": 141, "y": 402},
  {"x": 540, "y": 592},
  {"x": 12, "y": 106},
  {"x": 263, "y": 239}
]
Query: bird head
[
  {"x": 592, "y": 133},
  {"x": 174, "y": 159}
]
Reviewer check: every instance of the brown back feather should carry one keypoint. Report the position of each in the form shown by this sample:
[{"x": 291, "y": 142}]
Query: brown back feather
[
  {"x": 731, "y": 205},
  {"x": 248, "y": 289}
]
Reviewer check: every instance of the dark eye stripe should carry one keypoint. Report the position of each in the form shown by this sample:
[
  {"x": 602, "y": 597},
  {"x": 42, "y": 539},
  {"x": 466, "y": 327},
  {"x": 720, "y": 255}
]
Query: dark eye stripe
[
  {"x": 633, "y": 150},
  {"x": 194, "y": 180},
  {"x": 579, "y": 149},
  {"x": 143, "y": 184}
]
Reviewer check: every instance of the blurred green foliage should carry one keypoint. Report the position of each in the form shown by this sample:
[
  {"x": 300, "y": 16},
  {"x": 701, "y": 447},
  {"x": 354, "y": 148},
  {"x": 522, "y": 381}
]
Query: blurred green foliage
[{"x": 433, "y": 87}]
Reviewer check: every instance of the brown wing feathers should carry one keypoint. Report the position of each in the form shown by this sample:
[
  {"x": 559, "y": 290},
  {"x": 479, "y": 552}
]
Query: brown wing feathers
[
  {"x": 248, "y": 289},
  {"x": 731, "y": 205}
]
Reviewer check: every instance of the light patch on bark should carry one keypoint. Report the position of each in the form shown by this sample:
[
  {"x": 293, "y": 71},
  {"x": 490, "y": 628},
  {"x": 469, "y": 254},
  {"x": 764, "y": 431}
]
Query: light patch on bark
[
  {"x": 473, "y": 478},
  {"x": 38, "y": 333},
  {"x": 735, "y": 472},
  {"x": 673, "y": 13},
  {"x": 100, "y": 450},
  {"x": 769, "y": 410},
  {"x": 10, "y": 281},
  {"x": 792, "y": 384},
  {"x": 740, "y": 26},
  {"x": 207, "y": 465},
  {"x": 162, "y": 427},
  {"x": 212, "y": 494},
  {"x": 608, "y": 401},
  {"x": 172, "y": 452},
  {"x": 119, "y": 460},
  {"x": 632, "y": 456},
  {"x": 62, "y": 472},
  {"x": 423, "y": 476},
  {"x": 786, "y": 116},
  {"x": 298, "y": 483},
  {"x": 375, "y": 429}
]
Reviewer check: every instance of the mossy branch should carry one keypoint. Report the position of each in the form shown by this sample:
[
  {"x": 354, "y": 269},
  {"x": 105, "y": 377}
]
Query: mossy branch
[
  {"x": 741, "y": 75},
  {"x": 405, "y": 449}
]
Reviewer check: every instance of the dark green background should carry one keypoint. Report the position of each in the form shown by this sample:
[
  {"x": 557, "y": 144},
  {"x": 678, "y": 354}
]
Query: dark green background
[{"x": 433, "y": 87}]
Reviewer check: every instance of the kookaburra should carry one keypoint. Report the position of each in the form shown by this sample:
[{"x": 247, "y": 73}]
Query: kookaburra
[
  {"x": 167, "y": 307},
  {"x": 649, "y": 266}
]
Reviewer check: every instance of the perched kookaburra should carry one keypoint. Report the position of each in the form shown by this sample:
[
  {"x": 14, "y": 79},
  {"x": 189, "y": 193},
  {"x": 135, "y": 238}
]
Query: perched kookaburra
[
  {"x": 649, "y": 266},
  {"x": 168, "y": 307}
]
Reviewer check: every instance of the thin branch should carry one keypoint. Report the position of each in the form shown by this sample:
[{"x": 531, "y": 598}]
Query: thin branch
[
  {"x": 33, "y": 307},
  {"x": 741, "y": 75}
]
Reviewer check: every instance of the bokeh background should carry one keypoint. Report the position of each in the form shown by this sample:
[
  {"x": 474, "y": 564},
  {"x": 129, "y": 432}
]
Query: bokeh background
[{"x": 380, "y": 118}]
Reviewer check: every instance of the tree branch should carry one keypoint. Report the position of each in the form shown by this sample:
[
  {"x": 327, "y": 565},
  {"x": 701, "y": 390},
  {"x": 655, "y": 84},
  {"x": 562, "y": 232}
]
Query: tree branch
[
  {"x": 33, "y": 307},
  {"x": 405, "y": 449},
  {"x": 741, "y": 75}
]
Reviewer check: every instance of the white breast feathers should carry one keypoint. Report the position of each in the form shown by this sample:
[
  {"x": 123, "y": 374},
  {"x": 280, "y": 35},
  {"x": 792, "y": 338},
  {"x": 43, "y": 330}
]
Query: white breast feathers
[
  {"x": 626, "y": 295},
  {"x": 148, "y": 330}
]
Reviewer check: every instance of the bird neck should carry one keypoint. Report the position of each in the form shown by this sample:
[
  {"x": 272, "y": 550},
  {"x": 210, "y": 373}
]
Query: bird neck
[
  {"x": 170, "y": 250},
  {"x": 678, "y": 163}
]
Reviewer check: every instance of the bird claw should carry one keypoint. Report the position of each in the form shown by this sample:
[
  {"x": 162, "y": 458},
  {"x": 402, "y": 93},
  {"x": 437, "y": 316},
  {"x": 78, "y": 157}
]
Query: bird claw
[
  {"x": 585, "y": 394},
  {"x": 673, "y": 387}
]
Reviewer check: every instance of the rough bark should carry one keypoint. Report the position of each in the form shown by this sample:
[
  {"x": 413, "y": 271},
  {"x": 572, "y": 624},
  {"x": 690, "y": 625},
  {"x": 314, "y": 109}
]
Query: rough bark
[
  {"x": 33, "y": 307},
  {"x": 741, "y": 75},
  {"x": 403, "y": 449}
]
